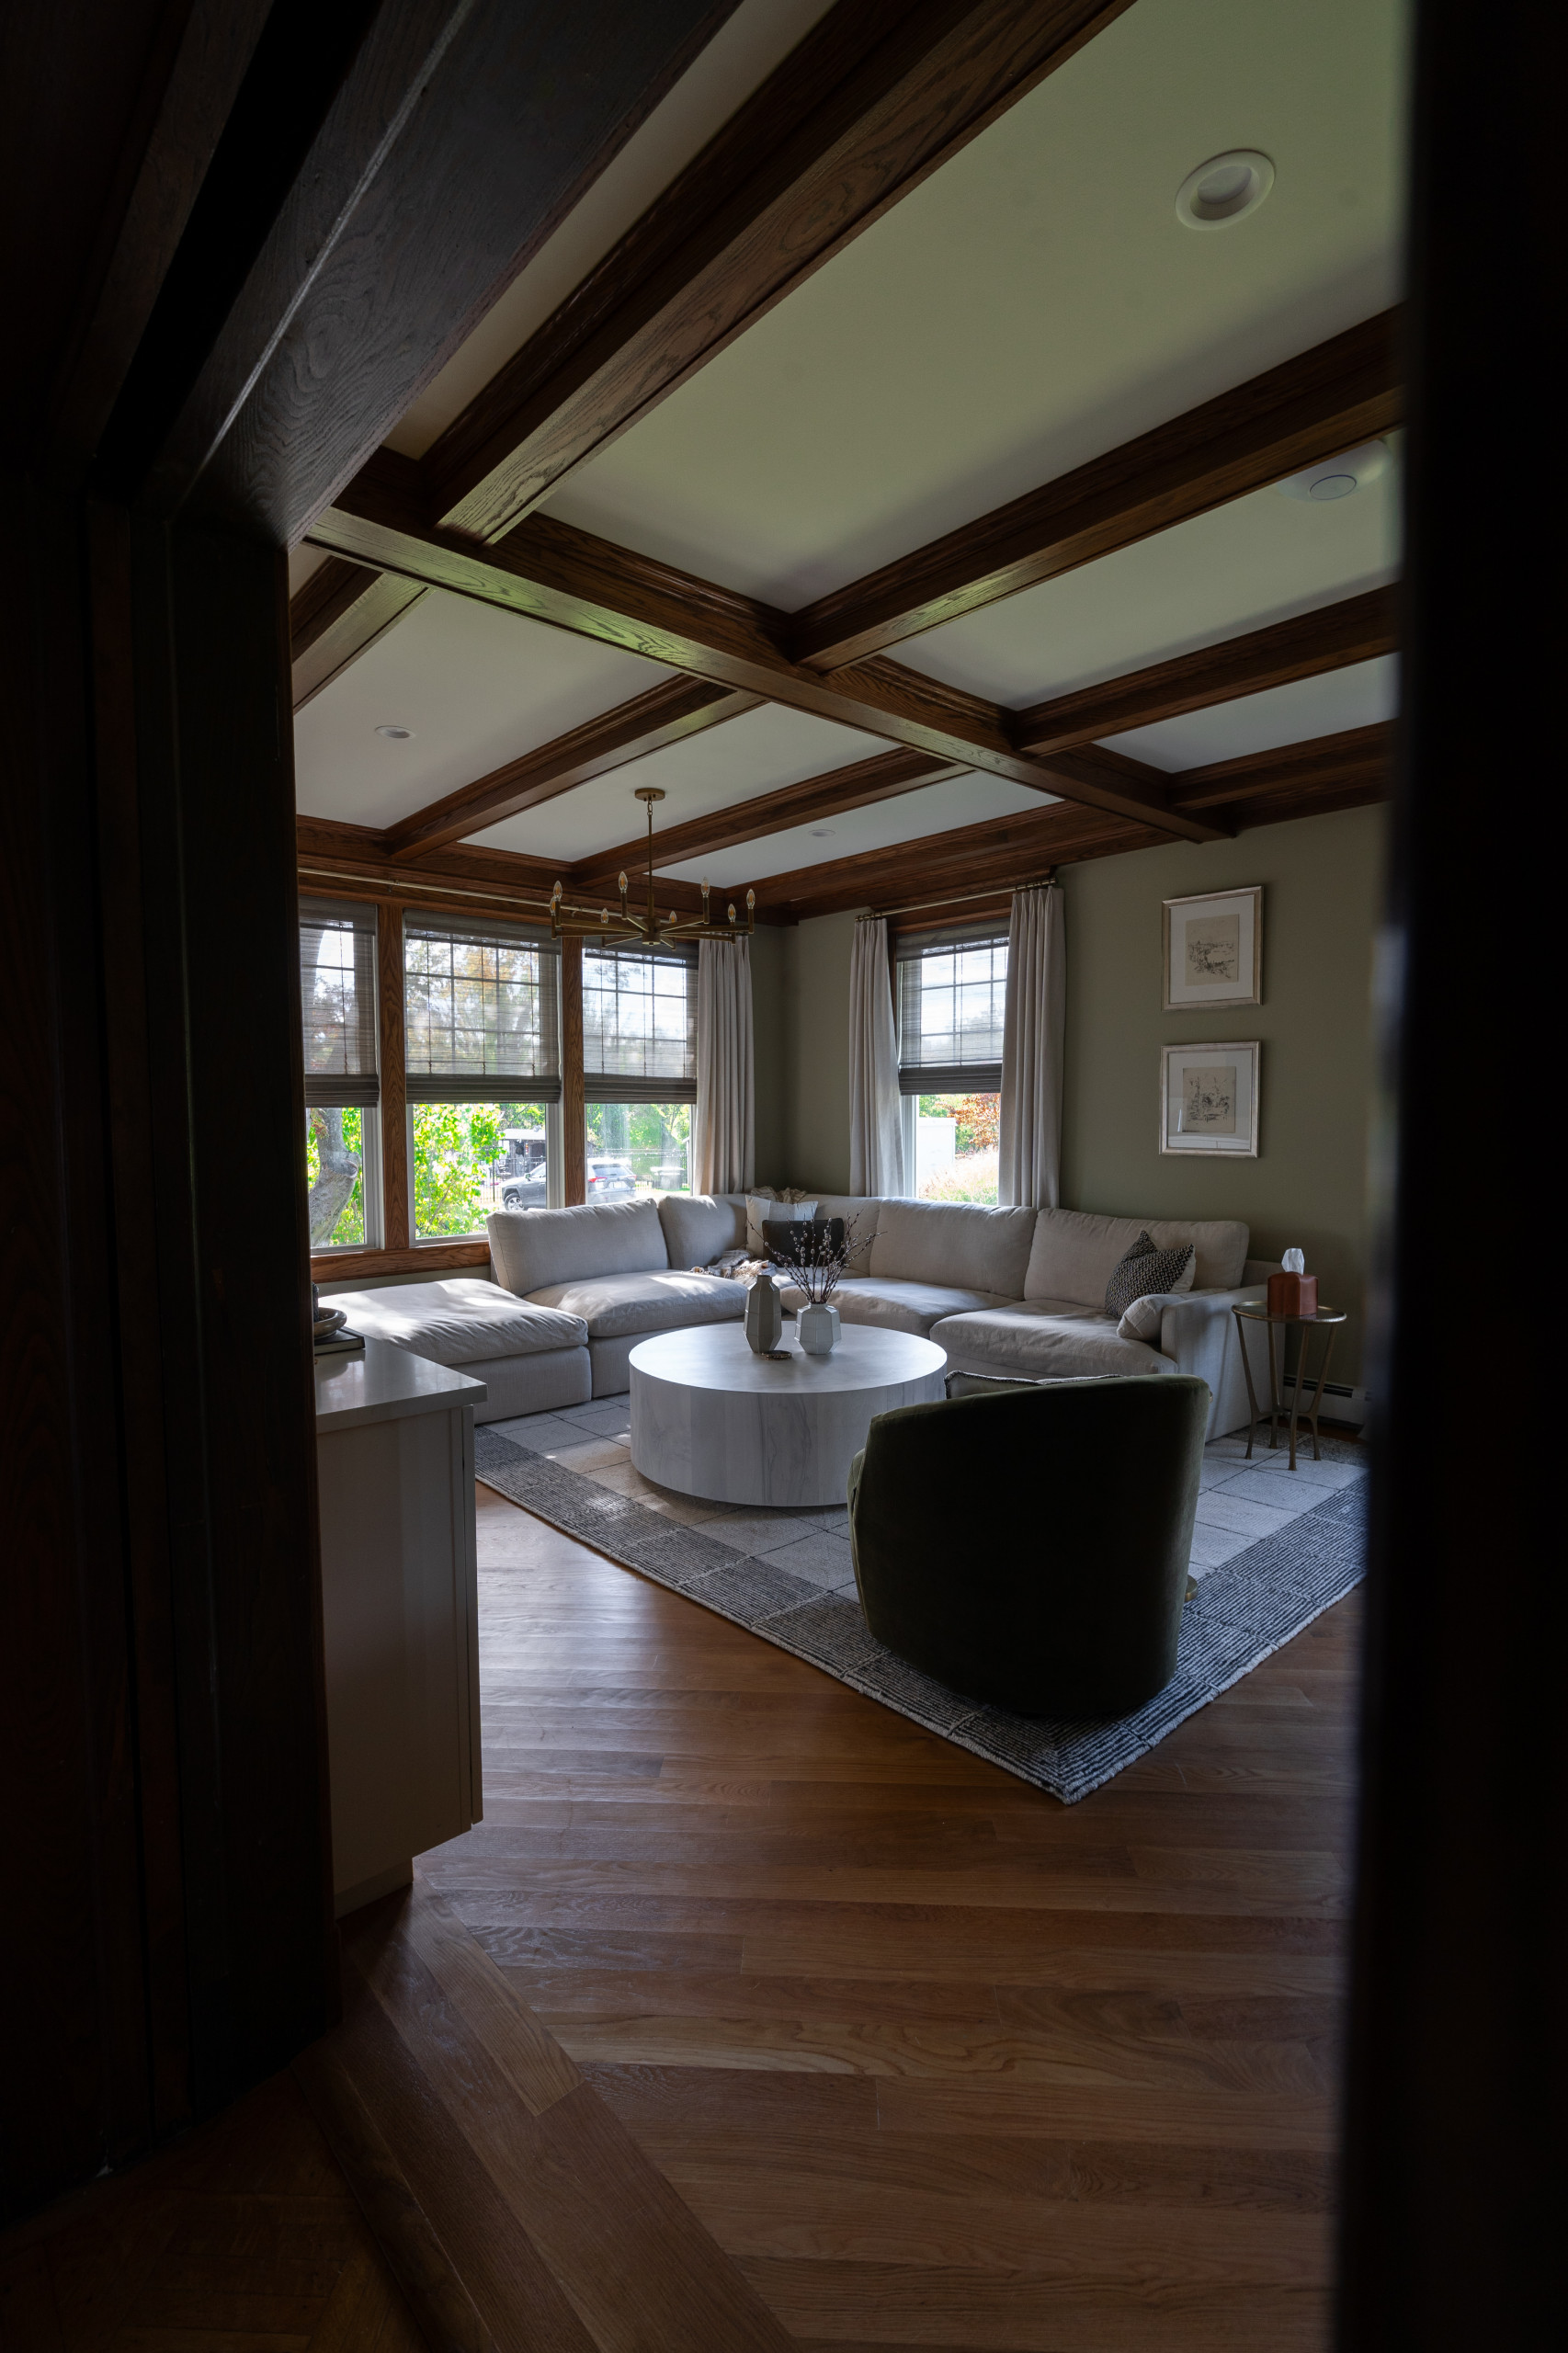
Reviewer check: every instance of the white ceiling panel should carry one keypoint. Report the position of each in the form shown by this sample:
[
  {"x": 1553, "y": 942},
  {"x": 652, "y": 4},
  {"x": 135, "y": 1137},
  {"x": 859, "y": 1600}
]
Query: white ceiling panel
[
  {"x": 1258, "y": 560},
  {"x": 935, "y": 809},
  {"x": 741, "y": 54},
  {"x": 478, "y": 687},
  {"x": 759, "y": 752},
  {"x": 1358, "y": 697},
  {"x": 1036, "y": 302}
]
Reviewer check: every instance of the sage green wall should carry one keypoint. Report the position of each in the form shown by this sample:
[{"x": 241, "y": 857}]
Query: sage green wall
[
  {"x": 769, "y": 1052},
  {"x": 1322, "y": 882},
  {"x": 814, "y": 1142}
]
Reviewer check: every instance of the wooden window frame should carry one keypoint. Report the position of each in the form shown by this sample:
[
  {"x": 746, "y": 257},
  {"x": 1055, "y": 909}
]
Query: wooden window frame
[{"x": 405, "y": 1255}]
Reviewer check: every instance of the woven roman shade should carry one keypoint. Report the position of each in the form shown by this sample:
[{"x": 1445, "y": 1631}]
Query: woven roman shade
[
  {"x": 337, "y": 1001},
  {"x": 640, "y": 1025},
  {"x": 950, "y": 990},
  {"x": 481, "y": 1011}
]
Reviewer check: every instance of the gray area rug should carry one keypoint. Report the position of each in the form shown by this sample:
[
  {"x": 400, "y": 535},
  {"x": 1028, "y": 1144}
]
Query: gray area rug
[{"x": 785, "y": 1577}]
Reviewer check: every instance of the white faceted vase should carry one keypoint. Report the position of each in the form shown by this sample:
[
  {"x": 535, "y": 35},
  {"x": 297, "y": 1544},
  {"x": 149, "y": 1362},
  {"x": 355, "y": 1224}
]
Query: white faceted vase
[{"x": 819, "y": 1328}]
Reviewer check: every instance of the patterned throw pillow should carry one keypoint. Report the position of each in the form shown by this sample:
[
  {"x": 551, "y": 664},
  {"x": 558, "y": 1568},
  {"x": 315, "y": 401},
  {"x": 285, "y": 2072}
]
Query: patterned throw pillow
[{"x": 1145, "y": 1269}]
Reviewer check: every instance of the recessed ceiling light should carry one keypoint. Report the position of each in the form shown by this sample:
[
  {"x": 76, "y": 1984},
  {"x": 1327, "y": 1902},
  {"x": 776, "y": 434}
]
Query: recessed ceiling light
[
  {"x": 1338, "y": 477},
  {"x": 395, "y": 734},
  {"x": 820, "y": 833},
  {"x": 1224, "y": 188}
]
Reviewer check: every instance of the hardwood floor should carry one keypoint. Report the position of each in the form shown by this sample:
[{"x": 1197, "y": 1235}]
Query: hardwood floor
[
  {"x": 752, "y": 2016},
  {"x": 937, "y": 2061},
  {"x": 244, "y": 2238}
]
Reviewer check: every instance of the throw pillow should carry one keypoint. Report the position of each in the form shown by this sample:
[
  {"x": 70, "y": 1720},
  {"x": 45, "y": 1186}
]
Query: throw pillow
[
  {"x": 1144, "y": 1269},
  {"x": 784, "y": 1237},
  {"x": 766, "y": 1204},
  {"x": 1142, "y": 1321}
]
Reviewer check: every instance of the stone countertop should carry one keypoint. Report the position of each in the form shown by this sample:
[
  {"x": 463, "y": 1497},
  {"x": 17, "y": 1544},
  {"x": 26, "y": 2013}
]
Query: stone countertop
[{"x": 386, "y": 1384}]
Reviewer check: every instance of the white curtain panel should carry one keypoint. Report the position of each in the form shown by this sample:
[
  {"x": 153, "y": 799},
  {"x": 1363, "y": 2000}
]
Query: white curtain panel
[
  {"x": 876, "y": 1130},
  {"x": 723, "y": 1127},
  {"x": 1028, "y": 1173}
]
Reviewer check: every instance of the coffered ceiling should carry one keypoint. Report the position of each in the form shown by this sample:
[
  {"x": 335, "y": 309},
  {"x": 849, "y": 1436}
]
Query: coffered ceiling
[{"x": 1028, "y": 307}]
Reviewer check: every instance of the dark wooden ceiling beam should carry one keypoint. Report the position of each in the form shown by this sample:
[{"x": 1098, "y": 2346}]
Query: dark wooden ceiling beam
[
  {"x": 1357, "y": 756},
  {"x": 884, "y": 777},
  {"x": 669, "y": 713},
  {"x": 359, "y": 220},
  {"x": 1341, "y": 391},
  {"x": 1357, "y": 629},
  {"x": 1298, "y": 780},
  {"x": 337, "y": 614},
  {"x": 868, "y": 104},
  {"x": 546, "y": 571}
]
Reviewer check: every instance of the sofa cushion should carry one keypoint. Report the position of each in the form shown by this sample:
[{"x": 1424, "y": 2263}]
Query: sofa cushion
[
  {"x": 460, "y": 1322},
  {"x": 1144, "y": 1269},
  {"x": 613, "y": 1304},
  {"x": 861, "y": 1211},
  {"x": 1042, "y": 1347},
  {"x": 1076, "y": 1251},
  {"x": 531, "y": 1249},
  {"x": 699, "y": 1228},
  {"x": 897, "y": 1306},
  {"x": 953, "y": 1242}
]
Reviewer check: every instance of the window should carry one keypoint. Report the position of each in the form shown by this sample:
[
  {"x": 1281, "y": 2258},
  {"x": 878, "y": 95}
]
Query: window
[
  {"x": 482, "y": 1044},
  {"x": 639, "y": 1070},
  {"x": 337, "y": 1001},
  {"x": 951, "y": 989}
]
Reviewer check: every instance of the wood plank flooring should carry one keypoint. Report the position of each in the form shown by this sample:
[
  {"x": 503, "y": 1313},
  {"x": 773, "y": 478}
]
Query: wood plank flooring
[
  {"x": 243, "y": 2238},
  {"x": 753, "y": 2017},
  {"x": 937, "y": 2061}
]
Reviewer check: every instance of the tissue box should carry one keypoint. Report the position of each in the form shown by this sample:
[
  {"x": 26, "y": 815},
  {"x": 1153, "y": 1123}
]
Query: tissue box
[{"x": 1293, "y": 1295}]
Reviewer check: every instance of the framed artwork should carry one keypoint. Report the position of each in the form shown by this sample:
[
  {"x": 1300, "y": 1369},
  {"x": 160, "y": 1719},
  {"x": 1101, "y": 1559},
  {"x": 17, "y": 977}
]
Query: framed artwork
[
  {"x": 1209, "y": 1099},
  {"x": 1214, "y": 950}
]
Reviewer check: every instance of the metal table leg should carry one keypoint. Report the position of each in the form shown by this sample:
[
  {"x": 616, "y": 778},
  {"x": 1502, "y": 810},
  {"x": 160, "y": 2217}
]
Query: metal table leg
[{"x": 1252, "y": 1393}]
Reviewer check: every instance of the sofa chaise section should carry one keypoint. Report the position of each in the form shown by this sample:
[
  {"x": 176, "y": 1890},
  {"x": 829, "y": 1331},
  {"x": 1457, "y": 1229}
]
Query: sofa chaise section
[
  {"x": 611, "y": 1266},
  {"x": 1059, "y": 1329},
  {"x": 531, "y": 1359}
]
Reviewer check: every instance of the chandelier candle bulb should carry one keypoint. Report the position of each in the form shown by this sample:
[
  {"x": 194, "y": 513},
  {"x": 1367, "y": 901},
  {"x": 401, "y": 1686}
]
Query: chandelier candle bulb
[{"x": 646, "y": 927}]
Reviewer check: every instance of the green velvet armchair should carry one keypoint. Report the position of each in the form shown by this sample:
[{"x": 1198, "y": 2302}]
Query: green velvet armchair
[{"x": 1030, "y": 1546}]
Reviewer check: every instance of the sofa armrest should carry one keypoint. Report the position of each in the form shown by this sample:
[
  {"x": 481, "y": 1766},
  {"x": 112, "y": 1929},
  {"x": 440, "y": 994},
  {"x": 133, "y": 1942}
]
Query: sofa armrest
[{"x": 1201, "y": 1335}]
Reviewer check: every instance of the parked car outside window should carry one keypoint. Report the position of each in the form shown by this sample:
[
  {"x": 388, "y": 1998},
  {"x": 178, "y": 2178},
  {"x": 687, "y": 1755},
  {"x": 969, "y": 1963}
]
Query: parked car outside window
[{"x": 610, "y": 1180}]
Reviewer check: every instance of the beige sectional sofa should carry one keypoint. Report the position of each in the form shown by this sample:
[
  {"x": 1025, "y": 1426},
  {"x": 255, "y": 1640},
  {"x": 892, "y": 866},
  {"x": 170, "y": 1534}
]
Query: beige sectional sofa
[
  {"x": 1014, "y": 1291},
  {"x": 1018, "y": 1292}
]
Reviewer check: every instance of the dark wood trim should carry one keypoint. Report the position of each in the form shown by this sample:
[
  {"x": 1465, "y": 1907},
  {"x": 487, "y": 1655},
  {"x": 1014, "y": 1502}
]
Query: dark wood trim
[
  {"x": 339, "y": 614},
  {"x": 1357, "y": 629},
  {"x": 1270, "y": 789},
  {"x": 882, "y": 778},
  {"x": 1343, "y": 390},
  {"x": 872, "y": 101},
  {"x": 188, "y": 97},
  {"x": 1358, "y": 755},
  {"x": 668, "y": 713},
  {"x": 415, "y": 1258},
  {"x": 397, "y": 203},
  {"x": 547, "y": 571},
  {"x": 573, "y": 1098},
  {"x": 397, "y": 1197}
]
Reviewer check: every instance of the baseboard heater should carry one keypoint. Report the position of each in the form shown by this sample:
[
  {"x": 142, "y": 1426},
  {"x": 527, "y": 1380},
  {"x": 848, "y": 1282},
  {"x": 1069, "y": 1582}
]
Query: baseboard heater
[{"x": 1340, "y": 1402}]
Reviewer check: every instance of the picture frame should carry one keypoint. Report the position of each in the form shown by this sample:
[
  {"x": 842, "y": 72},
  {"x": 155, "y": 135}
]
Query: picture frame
[
  {"x": 1209, "y": 1097},
  {"x": 1213, "y": 950}
]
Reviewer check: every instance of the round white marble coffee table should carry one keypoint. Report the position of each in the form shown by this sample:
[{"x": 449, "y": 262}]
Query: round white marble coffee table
[{"x": 710, "y": 1419}]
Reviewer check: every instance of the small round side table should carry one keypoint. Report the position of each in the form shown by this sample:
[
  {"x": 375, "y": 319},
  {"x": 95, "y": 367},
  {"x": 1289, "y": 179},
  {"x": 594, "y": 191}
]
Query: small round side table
[{"x": 1327, "y": 1320}]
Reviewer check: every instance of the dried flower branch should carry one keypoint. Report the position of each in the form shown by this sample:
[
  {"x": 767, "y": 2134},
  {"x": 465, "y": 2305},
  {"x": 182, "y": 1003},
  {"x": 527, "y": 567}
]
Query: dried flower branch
[{"x": 818, "y": 1264}]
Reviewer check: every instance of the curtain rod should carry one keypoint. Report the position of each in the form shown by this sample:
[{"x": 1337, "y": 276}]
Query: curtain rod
[
  {"x": 964, "y": 899},
  {"x": 400, "y": 890}
]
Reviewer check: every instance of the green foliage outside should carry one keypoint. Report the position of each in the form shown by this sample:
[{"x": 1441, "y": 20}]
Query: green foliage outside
[
  {"x": 455, "y": 1147},
  {"x": 656, "y": 1137}
]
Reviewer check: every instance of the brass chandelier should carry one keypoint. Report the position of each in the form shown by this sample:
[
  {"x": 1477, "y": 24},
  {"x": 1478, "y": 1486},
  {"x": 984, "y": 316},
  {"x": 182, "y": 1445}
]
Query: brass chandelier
[{"x": 647, "y": 926}]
